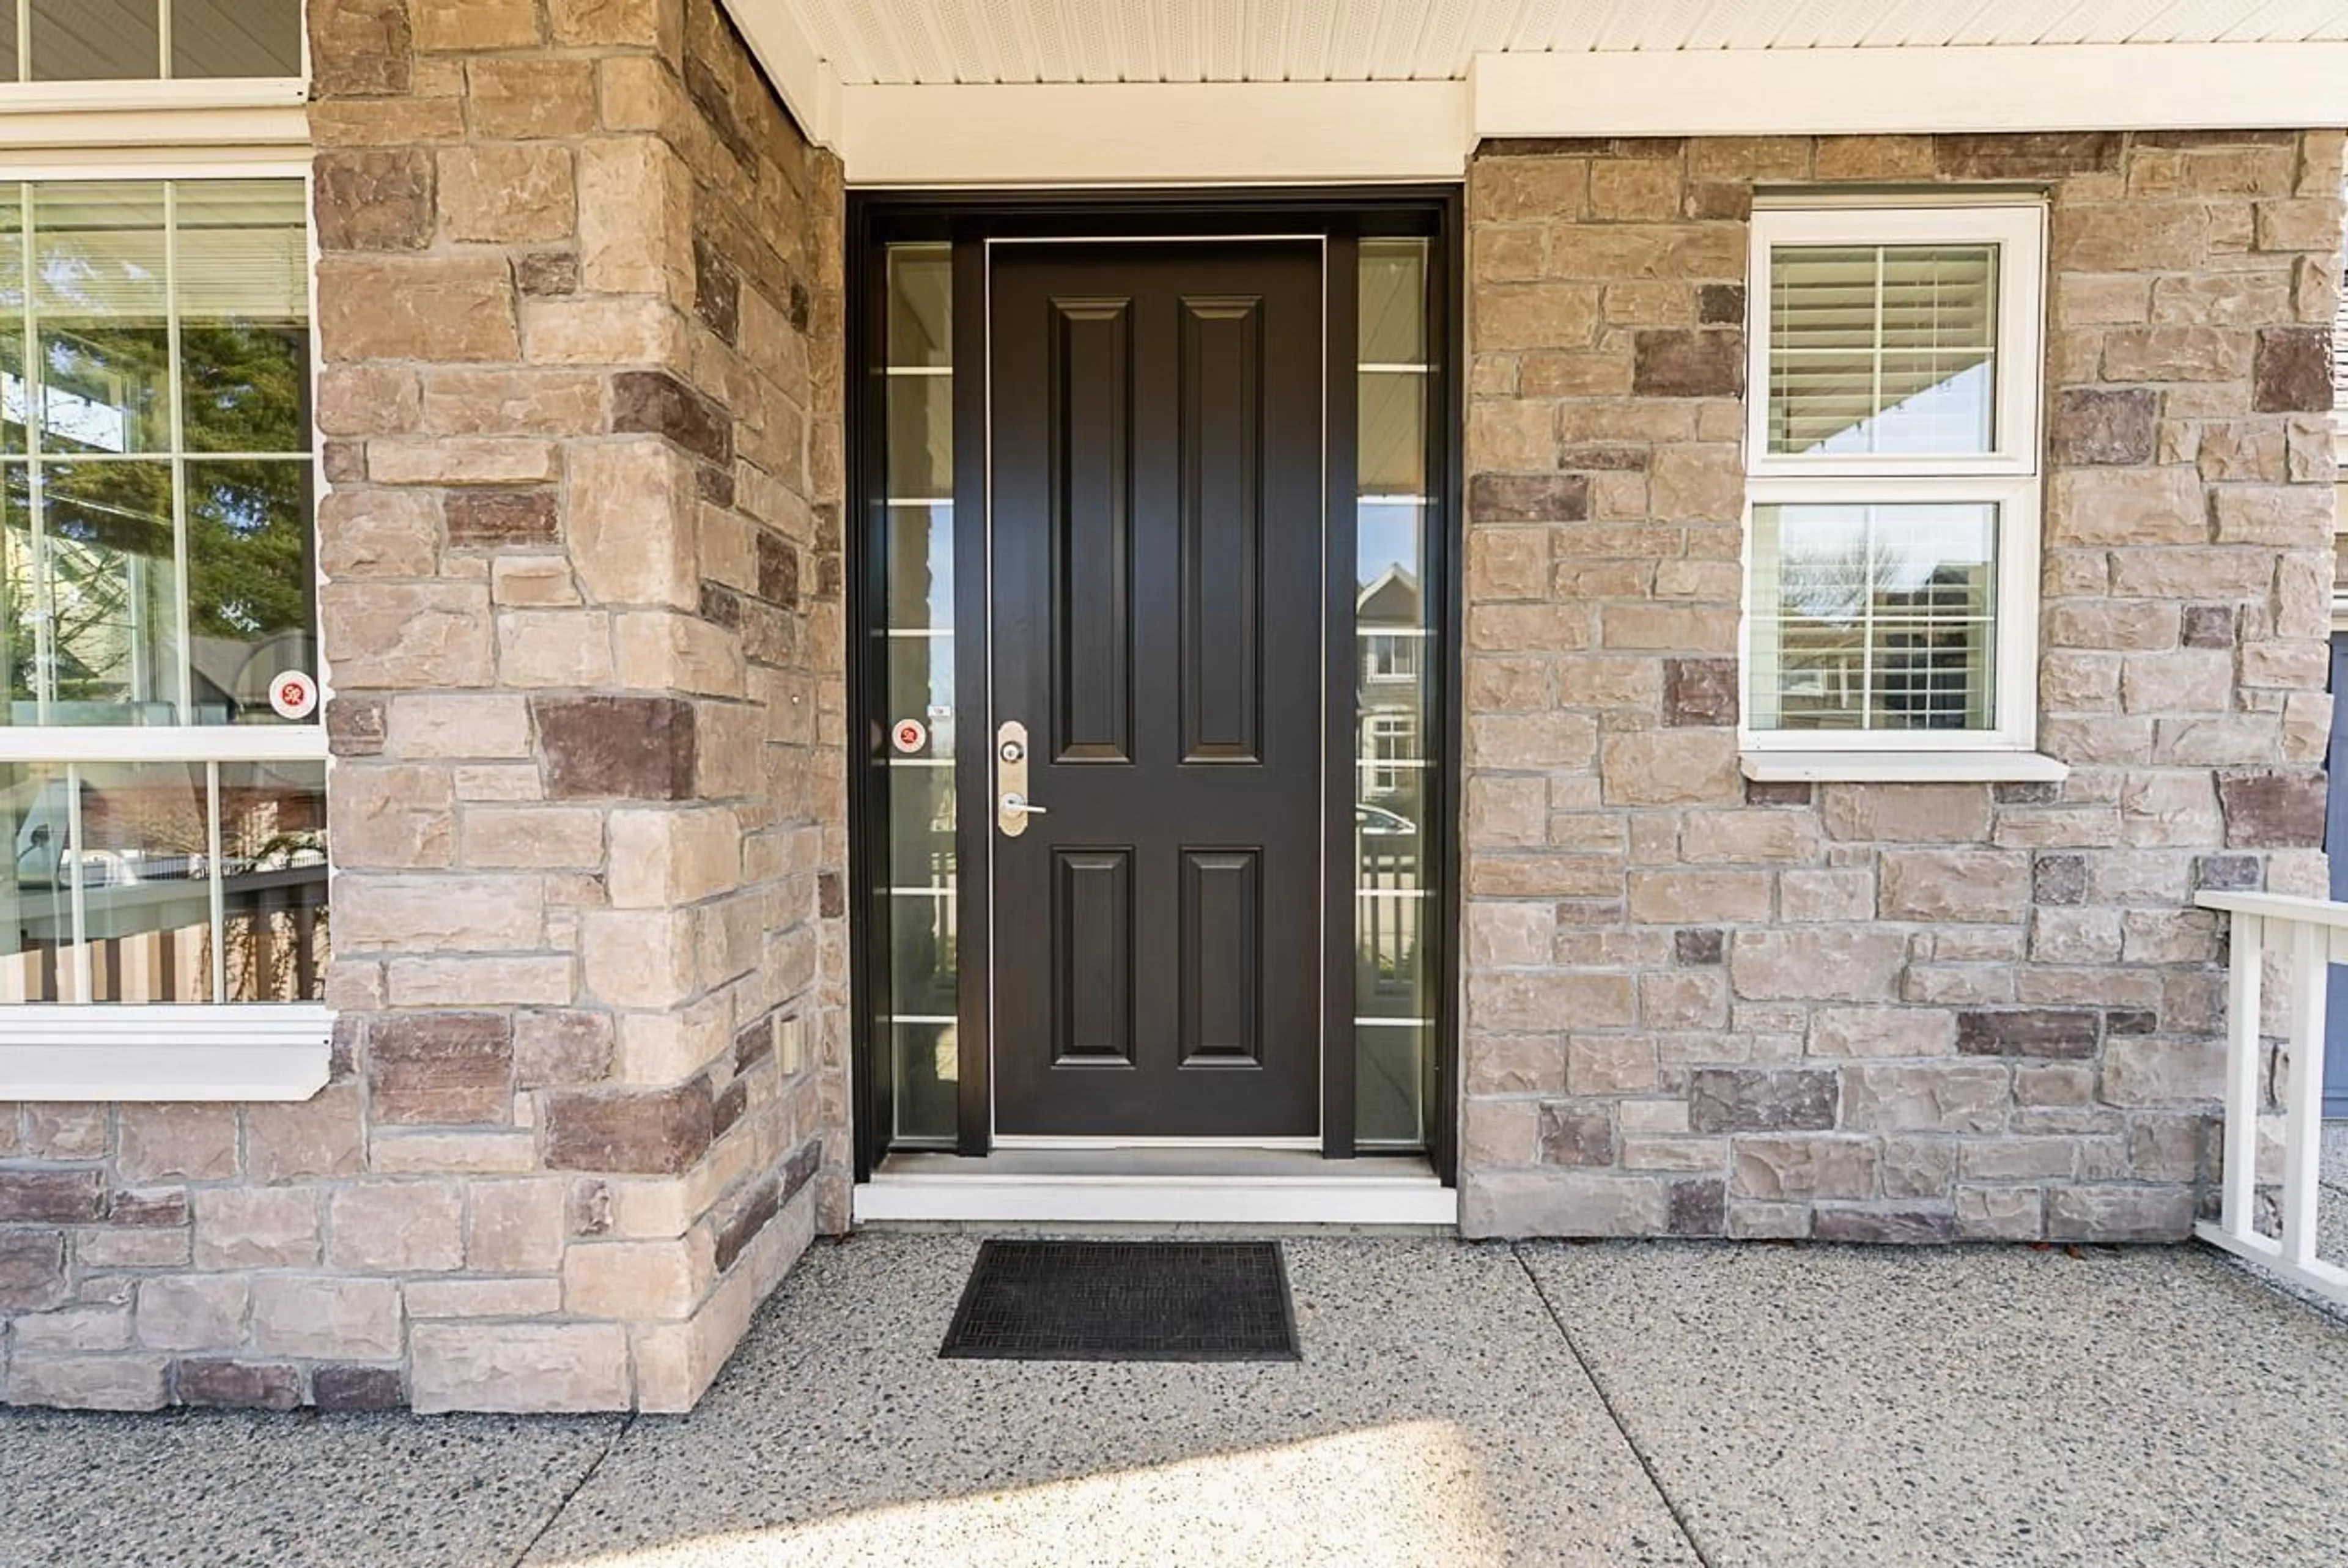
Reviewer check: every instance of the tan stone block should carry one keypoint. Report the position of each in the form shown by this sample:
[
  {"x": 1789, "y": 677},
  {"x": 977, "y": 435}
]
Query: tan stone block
[
  {"x": 1505, "y": 189},
  {"x": 631, "y": 523},
  {"x": 533, "y": 581},
  {"x": 396, "y": 1227},
  {"x": 1507, "y": 317},
  {"x": 1507, "y": 812},
  {"x": 1955, "y": 885},
  {"x": 1798, "y": 1167},
  {"x": 444, "y": 308},
  {"x": 2310, "y": 223},
  {"x": 1664, "y": 767},
  {"x": 398, "y": 817},
  {"x": 378, "y": 533},
  {"x": 175, "y": 1144},
  {"x": 1528, "y": 627},
  {"x": 520, "y": 99},
  {"x": 517, "y": 1367},
  {"x": 89, "y": 1382},
  {"x": 79, "y": 1131},
  {"x": 2126, "y": 507},
  {"x": 513, "y": 402},
  {"x": 519, "y": 193},
  {"x": 1684, "y": 999},
  {"x": 1540, "y": 1002},
  {"x": 661, "y": 652},
  {"x": 456, "y": 914},
  {"x": 1508, "y": 563},
  {"x": 534, "y": 837},
  {"x": 1545, "y": 876},
  {"x": 516, "y": 1228},
  {"x": 1551, "y": 739},
  {"x": 504, "y": 781},
  {"x": 447, "y": 725},
  {"x": 1603, "y": 372},
  {"x": 1701, "y": 483},
  {"x": 1877, "y": 1032},
  {"x": 504, "y": 980},
  {"x": 1669, "y": 629},
  {"x": 2131, "y": 237},
  {"x": 2296, "y": 516},
  {"x": 1720, "y": 581},
  {"x": 1501, "y": 936},
  {"x": 126, "y": 1249},
  {"x": 399, "y": 636},
  {"x": 1906, "y": 813},
  {"x": 1817, "y": 964},
  {"x": 1941, "y": 1097},
  {"x": 483, "y": 1298},
  {"x": 1675, "y": 1153},
  {"x": 1738, "y": 835},
  {"x": 551, "y": 648},
  {"x": 637, "y": 24},
  {"x": 324, "y": 1135},
  {"x": 2092, "y": 299},
  {"x": 634, "y": 1280},
  {"x": 196, "y": 1312},
  {"x": 326, "y": 1319},
  {"x": 368, "y": 400},
  {"x": 600, "y": 331},
  {"x": 639, "y": 959},
  {"x": 1501, "y": 255},
  {"x": 1611, "y": 252},
  {"x": 1634, "y": 189},
  {"x": 1875, "y": 157},
  {"x": 106, "y": 1327},
  {"x": 407, "y": 1154},
  {"x": 1561, "y": 1204},
  {"x": 1699, "y": 897},
  {"x": 474, "y": 24},
  {"x": 2159, "y": 354},
  {"x": 460, "y": 460},
  {"x": 1815, "y": 895},
  {"x": 255, "y": 1227},
  {"x": 662, "y": 858},
  {"x": 635, "y": 229}
]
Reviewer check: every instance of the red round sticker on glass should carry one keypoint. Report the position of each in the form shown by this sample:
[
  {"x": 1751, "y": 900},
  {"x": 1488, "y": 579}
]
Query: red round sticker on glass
[
  {"x": 910, "y": 736},
  {"x": 293, "y": 695}
]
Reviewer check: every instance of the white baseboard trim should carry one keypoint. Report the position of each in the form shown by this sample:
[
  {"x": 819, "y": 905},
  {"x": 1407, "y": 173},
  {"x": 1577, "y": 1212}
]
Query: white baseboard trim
[{"x": 1159, "y": 1200}]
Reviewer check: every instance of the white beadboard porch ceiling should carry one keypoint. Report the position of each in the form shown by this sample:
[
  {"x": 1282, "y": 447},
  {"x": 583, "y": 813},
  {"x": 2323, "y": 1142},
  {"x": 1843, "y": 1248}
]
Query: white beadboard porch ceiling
[
  {"x": 1127, "y": 92},
  {"x": 941, "y": 42}
]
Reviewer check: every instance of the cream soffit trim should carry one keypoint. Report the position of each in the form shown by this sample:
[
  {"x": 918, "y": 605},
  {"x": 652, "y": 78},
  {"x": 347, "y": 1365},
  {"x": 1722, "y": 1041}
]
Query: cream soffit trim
[
  {"x": 170, "y": 122},
  {"x": 2015, "y": 87},
  {"x": 1123, "y": 133}
]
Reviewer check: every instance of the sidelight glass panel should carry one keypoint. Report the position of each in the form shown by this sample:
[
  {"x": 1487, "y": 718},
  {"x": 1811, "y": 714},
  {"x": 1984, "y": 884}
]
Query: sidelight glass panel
[
  {"x": 917, "y": 890},
  {"x": 1394, "y": 873}
]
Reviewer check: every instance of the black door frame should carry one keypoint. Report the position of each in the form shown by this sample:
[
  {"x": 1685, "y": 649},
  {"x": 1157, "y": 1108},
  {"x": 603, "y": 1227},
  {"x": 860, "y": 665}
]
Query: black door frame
[{"x": 967, "y": 220}]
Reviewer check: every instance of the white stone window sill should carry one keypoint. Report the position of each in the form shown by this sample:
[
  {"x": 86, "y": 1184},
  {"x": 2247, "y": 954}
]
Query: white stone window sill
[
  {"x": 185, "y": 1052},
  {"x": 1902, "y": 767}
]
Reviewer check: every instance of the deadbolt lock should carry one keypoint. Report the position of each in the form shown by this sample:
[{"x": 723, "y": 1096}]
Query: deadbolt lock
[{"x": 1012, "y": 807}]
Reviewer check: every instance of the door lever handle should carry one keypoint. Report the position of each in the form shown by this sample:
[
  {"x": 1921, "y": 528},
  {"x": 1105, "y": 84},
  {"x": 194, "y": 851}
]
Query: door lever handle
[{"x": 1014, "y": 804}]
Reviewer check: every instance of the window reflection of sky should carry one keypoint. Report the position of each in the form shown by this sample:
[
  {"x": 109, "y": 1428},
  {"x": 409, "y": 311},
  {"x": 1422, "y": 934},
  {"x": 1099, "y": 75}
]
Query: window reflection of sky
[{"x": 1387, "y": 537}]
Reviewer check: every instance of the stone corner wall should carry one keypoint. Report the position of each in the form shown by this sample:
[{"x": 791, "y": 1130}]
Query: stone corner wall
[
  {"x": 1700, "y": 1007},
  {"x": 580, "y": 310}
]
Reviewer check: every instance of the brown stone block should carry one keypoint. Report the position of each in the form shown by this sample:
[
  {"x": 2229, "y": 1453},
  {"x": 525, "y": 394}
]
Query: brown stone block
[
  {"x": 1575, "y": 1134},
  {"x": 633, "y": 748},
  {"x": 2096, "y": 426},
  {"x": 1705, "y": 362},
  {"x": 1528, "y": 497},
  {"x": 2272, "y": 810},
  {"x": 360, "y": 47},
  {"x": 55, "y": 1197},
  {"x": 1742, "y": 1100},
  {"x": 1903, "y": 1226},
  {"x": 656, "y": 1132},
  {"x": 375, "y": 200},
  {"x": 1700, "y": 691},
  {"x": 2036, "y": 154},
  {"x": 2051, "y": 1033},
  {"x": 2292, "y": 371},
  {"x": 440, "y": 1069},
  {"x": 538, "y": 274},
  {"x": 226, "y": 1385},
  {"x": 499, "y": 519},
  {"x": 654, "y": 403}
]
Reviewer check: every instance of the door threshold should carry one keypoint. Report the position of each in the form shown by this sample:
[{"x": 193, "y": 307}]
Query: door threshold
[{"x": 1157, "y": 1186}]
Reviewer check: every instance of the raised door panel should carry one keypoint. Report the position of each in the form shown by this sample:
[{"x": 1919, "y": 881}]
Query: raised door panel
[
  {"x": 1222, "y": 522},
  {"x": 1221, "y": 958},
  {"x": 1092, "y": 530}
]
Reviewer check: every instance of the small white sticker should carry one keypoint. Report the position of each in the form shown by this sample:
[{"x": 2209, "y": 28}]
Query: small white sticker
[
  {"x": 293, "y": 695},
  {"x": 910, "y": 736}
]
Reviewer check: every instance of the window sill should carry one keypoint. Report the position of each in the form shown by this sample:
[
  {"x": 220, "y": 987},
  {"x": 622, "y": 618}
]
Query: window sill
[
  {"x": 169, "y": 1052},
  {"x": 1902, "y": 767}
]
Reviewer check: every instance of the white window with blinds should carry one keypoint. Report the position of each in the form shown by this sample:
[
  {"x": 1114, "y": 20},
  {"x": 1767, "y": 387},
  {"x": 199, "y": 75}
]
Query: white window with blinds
[
  {"x": 1892, "y": 459},
  {"x": 163, "y": 902}
]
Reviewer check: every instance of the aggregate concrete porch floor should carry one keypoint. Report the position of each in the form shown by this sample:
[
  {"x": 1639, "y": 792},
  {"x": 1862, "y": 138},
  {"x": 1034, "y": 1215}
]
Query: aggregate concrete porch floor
[{"x": 1458, "y": 1405}]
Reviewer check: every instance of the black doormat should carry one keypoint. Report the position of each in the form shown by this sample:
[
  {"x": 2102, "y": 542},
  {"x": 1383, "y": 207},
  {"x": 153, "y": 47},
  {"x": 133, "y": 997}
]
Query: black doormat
[{"x": 1125, "y": 1301}]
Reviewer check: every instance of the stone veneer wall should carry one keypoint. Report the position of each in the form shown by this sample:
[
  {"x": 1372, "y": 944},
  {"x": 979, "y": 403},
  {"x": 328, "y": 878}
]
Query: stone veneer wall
[
  {"x": 1700, "y": 1007},
  {"x": 580, "y": 307}
]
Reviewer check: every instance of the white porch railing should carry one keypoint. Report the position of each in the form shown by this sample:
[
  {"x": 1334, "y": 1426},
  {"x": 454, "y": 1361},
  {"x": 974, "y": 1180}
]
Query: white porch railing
[{"x": 2303, "y": 937}]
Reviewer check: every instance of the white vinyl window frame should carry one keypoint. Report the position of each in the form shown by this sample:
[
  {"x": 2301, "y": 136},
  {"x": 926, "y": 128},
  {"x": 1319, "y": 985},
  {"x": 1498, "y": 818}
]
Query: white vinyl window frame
[
  {"x": 2008, "y": 477},
  {"x": 176, "y": 1052}
]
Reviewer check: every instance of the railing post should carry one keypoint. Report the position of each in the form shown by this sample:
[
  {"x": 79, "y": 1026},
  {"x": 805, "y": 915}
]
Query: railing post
[
  {"x": 2245, "y": 980},
  {"x": 2302, "y": 1126}
]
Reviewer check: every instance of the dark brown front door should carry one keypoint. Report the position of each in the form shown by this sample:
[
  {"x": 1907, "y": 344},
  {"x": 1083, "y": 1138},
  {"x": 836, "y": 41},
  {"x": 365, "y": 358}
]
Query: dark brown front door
[{"x": 1155, "y": 471}]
